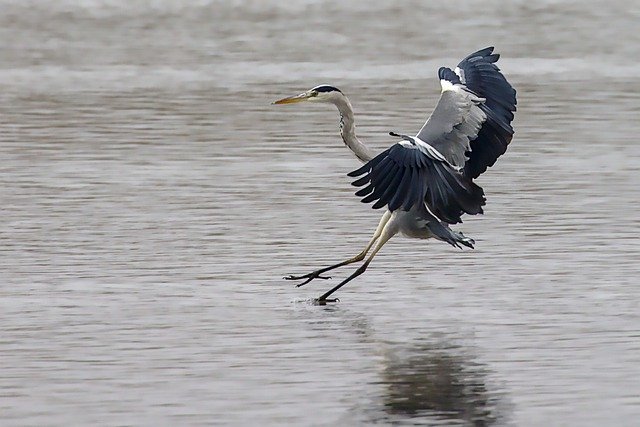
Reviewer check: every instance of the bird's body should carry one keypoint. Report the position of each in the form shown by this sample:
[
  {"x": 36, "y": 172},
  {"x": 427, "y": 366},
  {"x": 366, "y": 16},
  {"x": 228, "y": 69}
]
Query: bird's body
[{"x": 425, "y": 182}]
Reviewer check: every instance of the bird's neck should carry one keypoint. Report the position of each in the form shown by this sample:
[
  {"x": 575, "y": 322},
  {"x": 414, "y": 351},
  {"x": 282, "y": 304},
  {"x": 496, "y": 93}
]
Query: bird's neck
[{"x": 348, "y": 131}]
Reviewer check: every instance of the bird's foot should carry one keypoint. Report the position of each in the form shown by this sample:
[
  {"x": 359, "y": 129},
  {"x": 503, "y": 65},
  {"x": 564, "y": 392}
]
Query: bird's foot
[
  {"x": 324, "y": 301},
  {"x": 307, "y": 278},
  {"x": 462, "y": 239}
]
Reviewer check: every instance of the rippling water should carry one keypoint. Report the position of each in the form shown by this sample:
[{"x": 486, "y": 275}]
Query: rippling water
[{"x": 152, "y": 200}]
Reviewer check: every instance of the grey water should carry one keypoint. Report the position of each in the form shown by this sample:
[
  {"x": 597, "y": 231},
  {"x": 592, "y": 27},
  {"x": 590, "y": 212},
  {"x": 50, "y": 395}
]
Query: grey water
[{"x": 152, "y": 200}]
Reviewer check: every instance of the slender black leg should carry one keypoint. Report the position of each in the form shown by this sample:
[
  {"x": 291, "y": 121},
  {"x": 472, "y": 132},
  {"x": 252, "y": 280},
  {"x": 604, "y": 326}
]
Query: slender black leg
[
  {"x": 359, "y": 271},
  {"x": 318, "y": 273},
  {"x": 387, "y": 233}
]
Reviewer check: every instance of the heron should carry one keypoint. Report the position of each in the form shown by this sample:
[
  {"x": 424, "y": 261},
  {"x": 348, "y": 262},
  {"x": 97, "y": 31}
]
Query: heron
[{"x": 426, "y": 182}]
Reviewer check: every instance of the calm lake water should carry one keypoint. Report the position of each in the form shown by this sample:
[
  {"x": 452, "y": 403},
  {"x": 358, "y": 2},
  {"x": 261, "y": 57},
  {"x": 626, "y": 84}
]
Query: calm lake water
[{"x": 152, "y": 200}]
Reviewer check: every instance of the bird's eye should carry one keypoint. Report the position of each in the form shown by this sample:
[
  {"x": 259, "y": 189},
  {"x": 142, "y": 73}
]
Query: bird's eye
[{"x": 314, "y": 93}]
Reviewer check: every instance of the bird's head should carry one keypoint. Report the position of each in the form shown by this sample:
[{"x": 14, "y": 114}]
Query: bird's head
[{"x": 322, "y": 93}]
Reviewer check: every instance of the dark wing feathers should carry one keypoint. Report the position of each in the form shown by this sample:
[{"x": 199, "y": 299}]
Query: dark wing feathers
[
  {"x": 404, "y": 176},
  {"x": 471, "y": 124},
  {"x": 479, "y": 73},
  {"x": 366, "y": 167},
  {"x": 454, "y": 195},
  {"x": 448, "y": 74},
  {"x": 403, "y": 192}
]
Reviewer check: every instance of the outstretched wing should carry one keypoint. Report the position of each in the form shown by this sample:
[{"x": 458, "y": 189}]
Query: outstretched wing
[
  {"x": 455, "y": 121},
  {"x": 467, "y": 131},
  {"x": 412, "y": 172},
  {"x": 471, "y": 125}
]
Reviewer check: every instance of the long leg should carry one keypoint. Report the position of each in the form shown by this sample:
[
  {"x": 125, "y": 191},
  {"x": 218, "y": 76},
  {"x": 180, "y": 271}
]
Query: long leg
[
  {"x": 388, "y": 232},
  {"x": 317, "y": 274}
]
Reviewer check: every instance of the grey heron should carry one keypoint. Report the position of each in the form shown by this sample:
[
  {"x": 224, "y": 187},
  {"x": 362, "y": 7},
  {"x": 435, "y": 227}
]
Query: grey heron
[{"x": 425, "y": 182}]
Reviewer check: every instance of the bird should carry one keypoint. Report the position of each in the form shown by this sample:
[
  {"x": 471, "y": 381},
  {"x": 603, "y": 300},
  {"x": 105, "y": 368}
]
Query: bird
[{"x": 425, "y": 182}]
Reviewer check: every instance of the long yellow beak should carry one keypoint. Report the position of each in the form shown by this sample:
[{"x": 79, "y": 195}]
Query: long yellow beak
[{"x": 293, "y": 99}]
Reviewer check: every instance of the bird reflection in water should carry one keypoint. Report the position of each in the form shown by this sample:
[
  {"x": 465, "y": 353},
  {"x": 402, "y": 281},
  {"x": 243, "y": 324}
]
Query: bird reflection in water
[{"x": 439, "y": 386}]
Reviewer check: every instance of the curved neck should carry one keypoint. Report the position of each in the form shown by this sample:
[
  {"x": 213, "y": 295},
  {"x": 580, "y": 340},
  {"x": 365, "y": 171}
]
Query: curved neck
[{"x": 348, "y": 131}]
